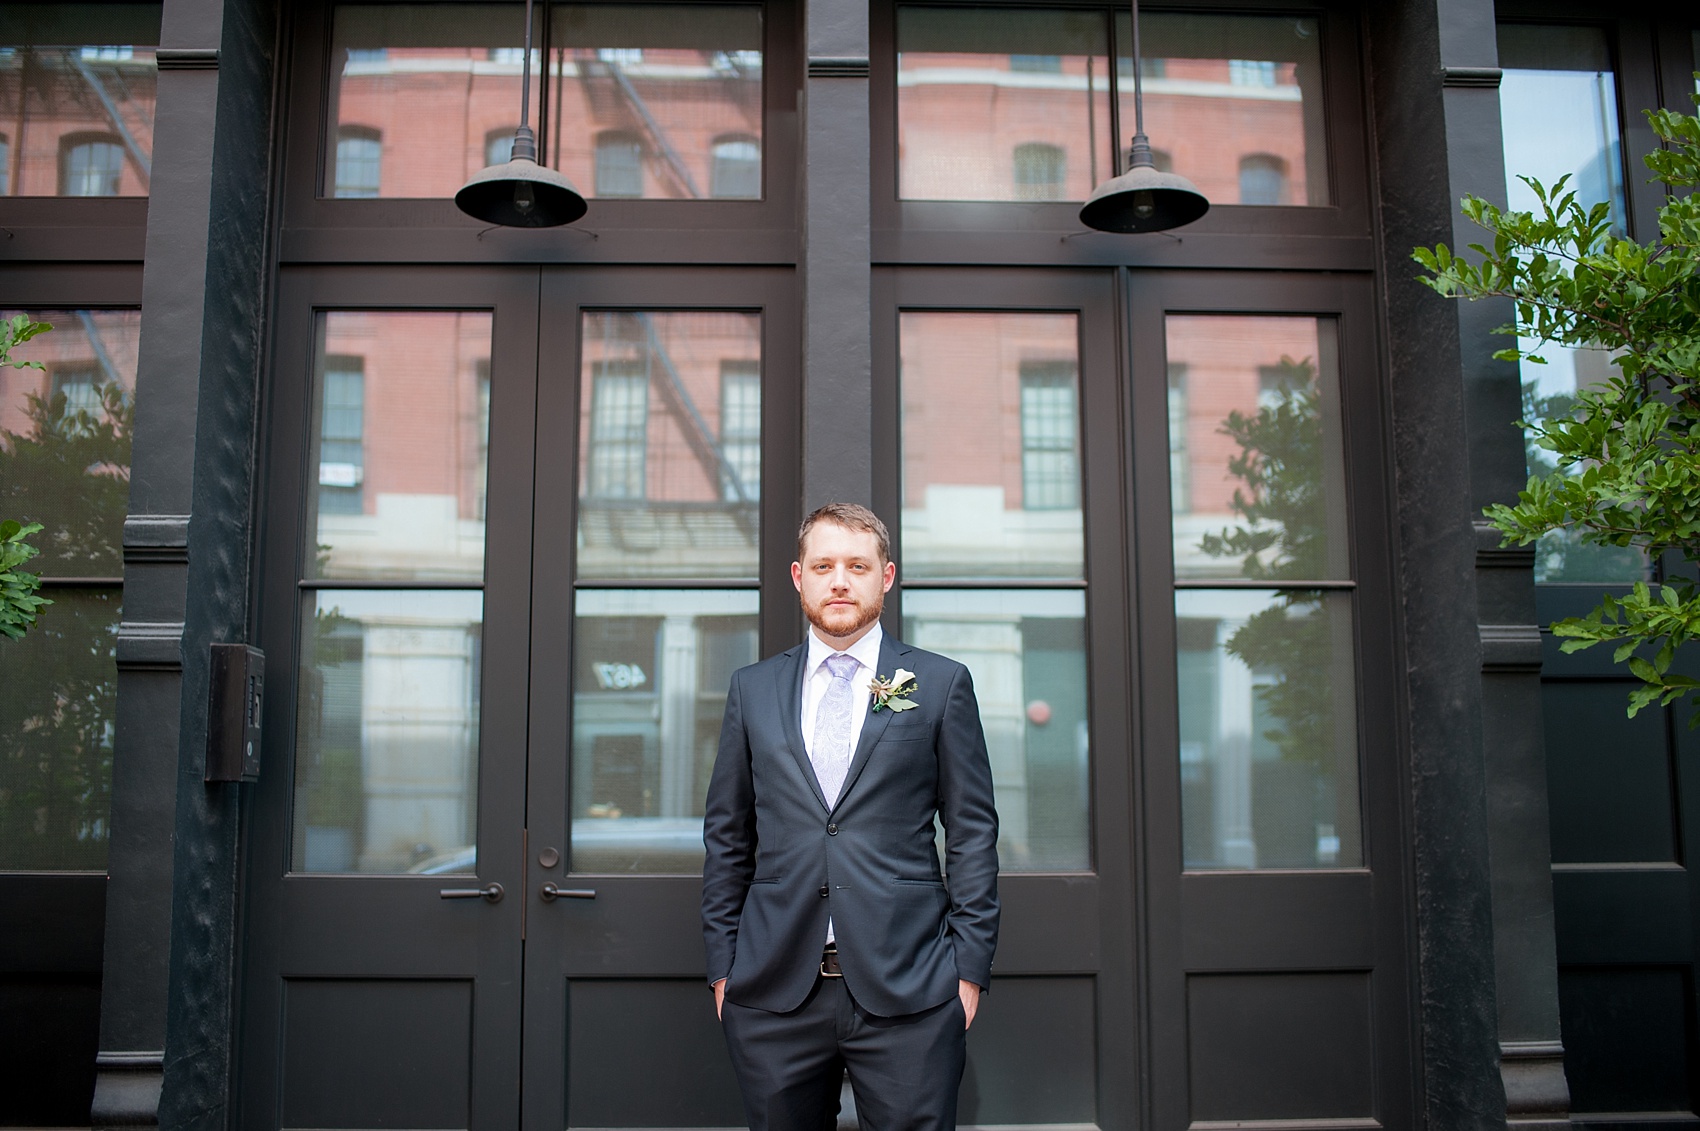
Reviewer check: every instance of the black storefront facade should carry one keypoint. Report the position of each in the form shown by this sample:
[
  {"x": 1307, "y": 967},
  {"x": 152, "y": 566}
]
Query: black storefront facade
[{"x": 1484, "y": 916}]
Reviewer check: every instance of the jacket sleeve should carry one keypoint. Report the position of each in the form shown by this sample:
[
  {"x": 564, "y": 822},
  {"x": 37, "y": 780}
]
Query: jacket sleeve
[
  {"x": 729, "y": 837},
  {"x": 970, "y": 820}
]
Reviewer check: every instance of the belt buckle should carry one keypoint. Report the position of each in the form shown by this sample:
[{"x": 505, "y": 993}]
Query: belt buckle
[{"x": 836, "y": 971}]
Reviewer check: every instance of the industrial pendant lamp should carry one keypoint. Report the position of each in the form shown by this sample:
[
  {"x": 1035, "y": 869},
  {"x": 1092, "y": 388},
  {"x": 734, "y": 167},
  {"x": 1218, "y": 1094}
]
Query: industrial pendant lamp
[
  {"x": 1142, "y": 199},
  {"x": 520, "y": 193}
]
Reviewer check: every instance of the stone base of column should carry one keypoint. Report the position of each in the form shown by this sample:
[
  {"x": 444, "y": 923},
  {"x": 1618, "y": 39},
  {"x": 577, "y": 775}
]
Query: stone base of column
[
  {"x": 126, "y": 1090},
  {"x": 1537, "y": 1096}
]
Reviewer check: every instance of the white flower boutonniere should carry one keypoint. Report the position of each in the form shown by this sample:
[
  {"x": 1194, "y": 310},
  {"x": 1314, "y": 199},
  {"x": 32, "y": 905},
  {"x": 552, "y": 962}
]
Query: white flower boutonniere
[{"x": 893, "y": 692}]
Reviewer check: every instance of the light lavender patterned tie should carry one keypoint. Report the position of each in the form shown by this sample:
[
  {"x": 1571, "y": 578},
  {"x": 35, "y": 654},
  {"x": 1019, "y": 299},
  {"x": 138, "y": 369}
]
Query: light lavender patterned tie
[{"x": 831, "y": 753}]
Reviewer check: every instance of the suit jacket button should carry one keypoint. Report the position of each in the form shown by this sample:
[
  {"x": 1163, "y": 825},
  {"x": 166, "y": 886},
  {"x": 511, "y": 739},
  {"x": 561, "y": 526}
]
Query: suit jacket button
[
  {"x": 832, "y": 830},
  {"x": 823, "y": 891}
]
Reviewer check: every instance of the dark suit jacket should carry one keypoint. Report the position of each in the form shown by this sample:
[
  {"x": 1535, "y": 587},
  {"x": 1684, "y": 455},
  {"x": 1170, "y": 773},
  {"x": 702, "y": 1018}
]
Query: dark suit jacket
[{"x": 779, "y": 862}]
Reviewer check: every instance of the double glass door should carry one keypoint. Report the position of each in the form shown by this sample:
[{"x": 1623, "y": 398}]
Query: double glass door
[{"x": 516, "y": 546}]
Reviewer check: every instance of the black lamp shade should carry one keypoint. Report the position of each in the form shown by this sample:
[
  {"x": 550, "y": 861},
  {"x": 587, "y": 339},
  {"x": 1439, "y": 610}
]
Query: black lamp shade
[
  {"x": 521, "y": 194},
  {"x": 1143, "y": 200}
]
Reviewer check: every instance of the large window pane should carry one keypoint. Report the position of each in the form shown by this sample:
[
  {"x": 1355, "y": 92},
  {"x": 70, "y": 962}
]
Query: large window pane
[
  {"x": 1254, "y": 417},
  {"x": 628, "y": 100},
  {"x": 1232, "y": 102},
  {"x": 670, "y": 445},
  {"x": 1027, "y": 653},
  {"x": 58, "y": 692},
  {"x": 1002, "y": 104},
  {"x": 1268, "y": 729},
  {"x": 77, "y": 91},
  {"x": 386, "y": 763},
  {"x": 991, "y": 445},
  {"x": 650, "y": 674},
  {"x": 65, "y": 438},
  {"x": 400, "y": 414},
  {"x": 1558, "y": 110}
]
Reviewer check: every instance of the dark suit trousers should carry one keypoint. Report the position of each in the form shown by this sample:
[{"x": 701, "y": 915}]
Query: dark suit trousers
[{"x": 905, "y": 1071}]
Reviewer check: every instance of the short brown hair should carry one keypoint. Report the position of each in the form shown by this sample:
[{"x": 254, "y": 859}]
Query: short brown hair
[{"x": 851, "y": 516}]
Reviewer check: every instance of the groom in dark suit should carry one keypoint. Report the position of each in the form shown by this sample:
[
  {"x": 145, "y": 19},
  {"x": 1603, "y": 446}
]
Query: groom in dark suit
[{"x": 834, "y": 941}]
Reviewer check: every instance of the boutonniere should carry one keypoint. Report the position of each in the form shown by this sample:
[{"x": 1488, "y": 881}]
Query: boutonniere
[{"x": 894, "y": 691}]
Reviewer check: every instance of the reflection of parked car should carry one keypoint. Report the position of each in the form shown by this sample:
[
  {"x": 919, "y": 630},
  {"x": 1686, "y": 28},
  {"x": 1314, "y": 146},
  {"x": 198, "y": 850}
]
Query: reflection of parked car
[{"x": 456, "y": 860}]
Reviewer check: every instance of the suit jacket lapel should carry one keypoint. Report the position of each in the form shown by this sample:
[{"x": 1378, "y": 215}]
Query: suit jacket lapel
[
  {"x": 891, "y": 649},
  {"x": 790, "y": 684}
]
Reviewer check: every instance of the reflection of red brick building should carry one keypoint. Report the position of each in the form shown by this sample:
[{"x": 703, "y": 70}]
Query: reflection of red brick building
[
  {"x": 620, "y": 121},
  {"x": 76, "y": 121}
]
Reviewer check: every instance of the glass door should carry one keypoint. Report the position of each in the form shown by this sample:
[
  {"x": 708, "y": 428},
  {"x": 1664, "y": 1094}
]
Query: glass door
[
  {"x": 667, "y": 423},
  {"x": 386, "y": 899}
]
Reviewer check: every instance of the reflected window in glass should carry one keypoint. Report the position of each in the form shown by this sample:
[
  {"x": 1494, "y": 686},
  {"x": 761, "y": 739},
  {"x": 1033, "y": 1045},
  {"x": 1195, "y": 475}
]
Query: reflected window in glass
[
  {"x": 400, "y": 444},
  {"x": 989, "y": 414},
  {"x": 77, "y": 91},
  {"x": 1256, "y": 427},
  {"x": 670, "y": 428},
  {"x": 619, "y": 164},
  {"x": 1558, "y": 109},
  {"x": 386, "y": 763},
  {"x": 1040, "y": 171},
  {"x": 740, "y": 429},
  {"x": 1263, "y": 179},
  {"x": 1050, "y": 450},
  {"x": 359, "y": 162},
  {"x": 737, "y": 169},
  {"x": 1026, "y": 651},
  {"x": 92, "y": 166},
  {"x": 342, "y": 455},
  {"x": 678, "y": 80},
  {"x": 650, "y": 675}
]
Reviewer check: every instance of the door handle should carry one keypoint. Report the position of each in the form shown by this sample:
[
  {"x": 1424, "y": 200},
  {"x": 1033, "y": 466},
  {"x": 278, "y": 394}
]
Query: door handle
[
  {"x": 551, "y": 893},
  {"x": 491, "y": 891}
]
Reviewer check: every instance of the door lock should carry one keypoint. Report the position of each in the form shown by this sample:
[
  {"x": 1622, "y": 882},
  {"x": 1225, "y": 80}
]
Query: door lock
[
  {"x": 551, "y": 893},
  {"x": 491, "y": 891}
]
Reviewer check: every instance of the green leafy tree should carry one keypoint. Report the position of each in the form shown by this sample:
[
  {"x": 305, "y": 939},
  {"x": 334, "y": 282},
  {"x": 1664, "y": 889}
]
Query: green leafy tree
[
  {"x": 1283, "y": 536},
  {"x": 19, "y": 600},
  {"x": 1623, "y": 468}
]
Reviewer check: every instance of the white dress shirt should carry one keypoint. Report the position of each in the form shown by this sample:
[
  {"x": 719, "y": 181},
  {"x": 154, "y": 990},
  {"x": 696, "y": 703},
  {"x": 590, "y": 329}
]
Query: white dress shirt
[{"x": 816, "y": 679}]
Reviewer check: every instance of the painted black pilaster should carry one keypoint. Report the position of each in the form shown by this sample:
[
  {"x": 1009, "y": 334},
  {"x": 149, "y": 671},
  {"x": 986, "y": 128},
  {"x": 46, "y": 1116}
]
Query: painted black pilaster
[
  {"x": 166, "y": 994},
  {"x": 1525, "y": 951},
  {"x": 1435, "y": 547},
  {"x": 837, "y": 300}
]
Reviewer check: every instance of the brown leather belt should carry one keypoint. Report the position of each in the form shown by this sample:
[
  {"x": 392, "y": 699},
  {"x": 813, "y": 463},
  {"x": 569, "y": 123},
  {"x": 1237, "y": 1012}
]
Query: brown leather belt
[{"x": 829, "y": 967}]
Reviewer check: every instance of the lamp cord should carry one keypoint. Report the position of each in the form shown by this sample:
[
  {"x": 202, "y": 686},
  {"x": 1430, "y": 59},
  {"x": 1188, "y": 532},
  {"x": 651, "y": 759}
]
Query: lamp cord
[
  {"x": 525, "y": 71},
  {"x": 1138, "y": 91}
]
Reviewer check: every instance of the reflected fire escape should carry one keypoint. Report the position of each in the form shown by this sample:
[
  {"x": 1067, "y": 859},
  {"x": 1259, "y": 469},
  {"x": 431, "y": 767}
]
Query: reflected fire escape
[
  {"x": 593, "y": 65},
  {"x": 738, "y": 502}
]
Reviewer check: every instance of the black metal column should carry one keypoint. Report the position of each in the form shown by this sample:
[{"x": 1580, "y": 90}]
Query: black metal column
[
  {"x": 1525, "y": 952},
  {"x": 171, "y": 899},
  {"x": 837, "y": 350},
  {"x": 1432, "y": 369}
]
